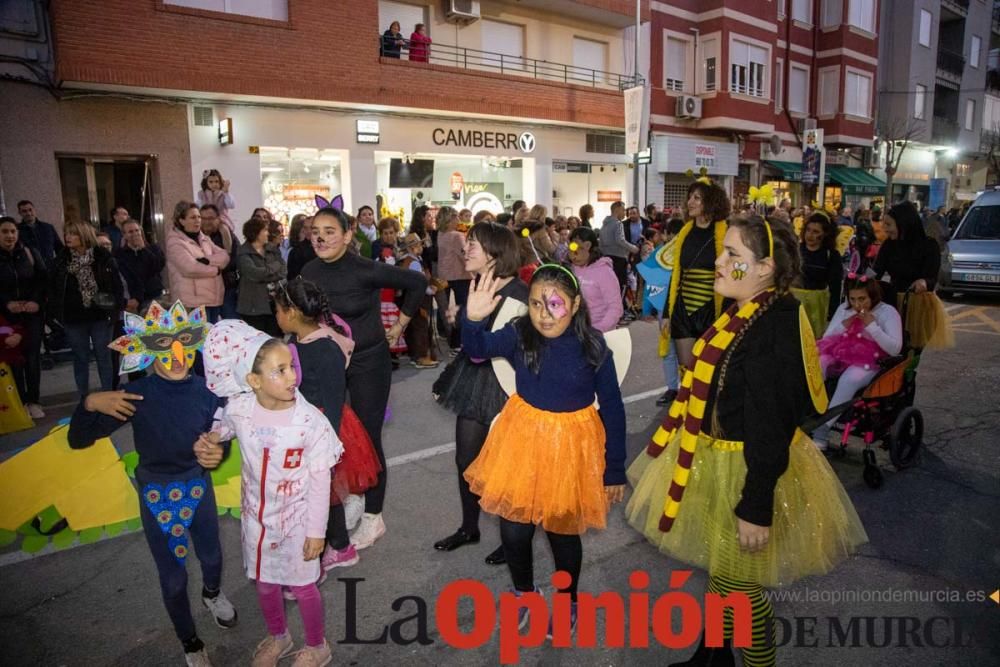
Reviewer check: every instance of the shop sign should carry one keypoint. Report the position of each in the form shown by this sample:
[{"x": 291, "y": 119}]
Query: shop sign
[
  {"x": 484, "y": 196},
  {"x": 938, "y": 194},
  {"x": 810, "y": 166},
  {"x": 609, "y": 195},
  {"x": 645, "y": 156},
  {"x": 457, "y": 181},
  {"x": 368, "y": 131},
  {"x": 512, "y": 141},
  {"x": 704, "y": 155}
]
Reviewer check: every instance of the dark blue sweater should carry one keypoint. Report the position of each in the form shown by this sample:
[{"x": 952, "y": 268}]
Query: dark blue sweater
[
  {"x": 566, "y": 382},
  {"x": 165, "y": 426}
]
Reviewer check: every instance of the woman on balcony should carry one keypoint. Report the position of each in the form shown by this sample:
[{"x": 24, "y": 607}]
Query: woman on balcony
[
  {"x": 420, "y": 44},
  {"x": 392, "y": 41}
]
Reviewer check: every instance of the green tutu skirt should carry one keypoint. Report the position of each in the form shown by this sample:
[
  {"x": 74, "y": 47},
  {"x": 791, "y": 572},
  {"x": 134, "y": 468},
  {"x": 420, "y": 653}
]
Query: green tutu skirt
[
  {"x": 817, "y": 305},
  {"x": 814, "y": 527}
]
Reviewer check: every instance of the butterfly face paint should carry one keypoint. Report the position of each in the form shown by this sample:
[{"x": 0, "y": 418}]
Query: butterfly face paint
[
  {"x": 555, "y": 305},
  {"x": 551, "y": 310}
]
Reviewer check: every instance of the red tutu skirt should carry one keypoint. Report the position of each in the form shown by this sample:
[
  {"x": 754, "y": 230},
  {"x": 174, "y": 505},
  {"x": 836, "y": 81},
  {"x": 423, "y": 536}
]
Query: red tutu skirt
[
  {"x": 359, "y": 466},
  {"x": 390, "y": 315},
  {"x": 851, "y": 348}
]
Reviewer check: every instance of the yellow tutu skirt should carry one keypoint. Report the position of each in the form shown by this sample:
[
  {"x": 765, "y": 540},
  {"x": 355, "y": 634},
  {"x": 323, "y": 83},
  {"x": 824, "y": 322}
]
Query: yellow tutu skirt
[
  {"x": 13, "y": 416},
  {"x": 817, "y": 305},
  {"x": 814, "y": 527},
  {"x": 543, "y": 468},
  {"x": 926, "y": 322}
]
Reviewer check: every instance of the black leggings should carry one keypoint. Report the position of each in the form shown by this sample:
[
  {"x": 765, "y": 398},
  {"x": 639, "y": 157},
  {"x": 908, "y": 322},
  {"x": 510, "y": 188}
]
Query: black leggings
[
  {"x": 369, "y": 378},
  {"x": 567, "y": 552},
  {"x": 469, "y": 438},
  {"x": 336, "y": 528}
]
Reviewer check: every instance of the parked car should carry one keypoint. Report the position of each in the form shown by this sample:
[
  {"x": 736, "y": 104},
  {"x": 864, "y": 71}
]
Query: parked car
[{"x": 971, "y": 261}]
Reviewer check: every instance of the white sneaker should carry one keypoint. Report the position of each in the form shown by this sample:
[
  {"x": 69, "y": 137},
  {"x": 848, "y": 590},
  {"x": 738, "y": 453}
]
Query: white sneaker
[
  {"x": 223, "y": 611},
  {"x": 197, "y": 659},
  {"x": 370, "y": 529},
  {"x": 35, "y": 410}
]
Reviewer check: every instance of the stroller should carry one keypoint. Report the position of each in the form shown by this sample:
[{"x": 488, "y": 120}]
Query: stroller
[{"x": 883, "y": 412}]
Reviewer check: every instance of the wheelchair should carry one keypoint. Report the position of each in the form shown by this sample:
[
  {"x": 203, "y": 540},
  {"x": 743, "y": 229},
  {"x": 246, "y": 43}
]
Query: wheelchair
[{"x": 883, "y": 412}]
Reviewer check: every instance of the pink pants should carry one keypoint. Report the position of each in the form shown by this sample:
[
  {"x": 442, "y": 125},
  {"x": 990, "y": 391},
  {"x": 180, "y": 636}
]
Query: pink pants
[{"x": 272, "y": 605}]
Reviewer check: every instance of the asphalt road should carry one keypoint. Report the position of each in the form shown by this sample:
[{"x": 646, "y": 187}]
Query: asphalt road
[{"x": 917, "y": 594}]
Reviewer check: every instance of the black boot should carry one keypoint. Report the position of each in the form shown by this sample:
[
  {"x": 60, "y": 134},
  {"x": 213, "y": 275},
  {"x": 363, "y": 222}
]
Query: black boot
[
  {"x": 497, "y": 557},
  {"x": 710, "y": 657}
]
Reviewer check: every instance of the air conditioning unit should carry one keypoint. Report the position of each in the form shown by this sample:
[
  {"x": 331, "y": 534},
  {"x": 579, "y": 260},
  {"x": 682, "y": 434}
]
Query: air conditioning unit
[
  {"x": 688, "y": 106},
  {"x": 806, "y": 124},
  {"x": 873, "y": 158},
  {"x": 461, "y": 11}
]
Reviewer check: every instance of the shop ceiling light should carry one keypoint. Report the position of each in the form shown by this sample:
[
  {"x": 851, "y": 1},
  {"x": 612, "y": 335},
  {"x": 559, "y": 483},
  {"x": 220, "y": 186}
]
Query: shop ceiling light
[
  {"x": 304, "y": 153},
  {"x": 329, "y": 156},
  {"x": 271, "y": 170}
]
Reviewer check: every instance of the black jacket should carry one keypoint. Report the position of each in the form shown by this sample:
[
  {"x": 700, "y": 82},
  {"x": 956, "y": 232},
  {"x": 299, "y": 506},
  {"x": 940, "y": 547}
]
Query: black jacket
[
  {"x": 65, "y": 300},
  {"x": 23, "y": 277},
  {"x": 42, "y": 237},
  {"x": 141, "y": 269}
]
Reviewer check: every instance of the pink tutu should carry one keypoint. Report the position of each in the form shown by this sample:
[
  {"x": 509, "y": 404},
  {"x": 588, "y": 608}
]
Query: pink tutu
[{"x": 852, "y": 347}]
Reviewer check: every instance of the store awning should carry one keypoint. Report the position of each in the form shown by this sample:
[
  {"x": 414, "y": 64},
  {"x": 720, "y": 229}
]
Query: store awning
[
  {"x": 855, "y": 181},
  {"x": 790, "y": 171}
]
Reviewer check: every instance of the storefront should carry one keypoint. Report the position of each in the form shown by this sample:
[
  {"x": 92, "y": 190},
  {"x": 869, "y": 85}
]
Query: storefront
[
  {"x": 673, "y": 156},
  {"x": 282, "y": 158},
  {"x": 852, "y": 186},
  {"x": 785, "y": 178}
]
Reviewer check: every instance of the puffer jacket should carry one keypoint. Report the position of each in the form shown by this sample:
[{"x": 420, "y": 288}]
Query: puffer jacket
[
  {"x": 192, "y": 282},
  {"x": 256, "y": 271},
  {"x": 601, "y": 293}
]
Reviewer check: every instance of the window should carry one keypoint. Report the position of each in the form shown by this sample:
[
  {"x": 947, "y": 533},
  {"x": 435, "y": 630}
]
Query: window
[
  {"x": 802, "y": 11},
  {"x": 833, "y": 13},
  {"x": 829, "y": 84},
  {"x": 710, "y": 63},
  {"x": 779, "y": 85},
  {"x": 747, "y": 68},
  {"x": 506, "y": 39},
  {"x": 974, "y": 50},
  {"x": 407, "y": 15},
  {"x": 919, "y": 102},
  {"x": 925, "y": 28},
  {"x": 589, "y": 57},
  {"x": 265, "y": 9},
  {"x": 970, "y": 114},
  {"x": 675, "y": 64},
  {"x": 857, "y": 94},
  {"x": 991, "y": 114},
  {"x": 862, "y": 15},
  {"x": 781, "y": 8},
  {"x": 798, "y": 89}
]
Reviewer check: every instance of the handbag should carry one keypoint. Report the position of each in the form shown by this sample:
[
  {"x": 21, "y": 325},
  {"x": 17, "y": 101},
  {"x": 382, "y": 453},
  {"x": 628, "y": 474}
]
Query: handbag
[{"x": 105, "y": 301}]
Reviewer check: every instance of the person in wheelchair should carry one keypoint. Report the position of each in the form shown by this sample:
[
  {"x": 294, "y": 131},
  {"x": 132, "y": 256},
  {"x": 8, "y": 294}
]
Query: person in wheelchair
[{"x": 864, "y": 330}]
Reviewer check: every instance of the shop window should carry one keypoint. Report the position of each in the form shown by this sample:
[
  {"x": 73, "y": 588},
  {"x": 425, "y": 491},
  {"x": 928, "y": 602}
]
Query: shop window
[
  {"x": 291, "y": 179},
  {"x": 675, "y": 64},
  {"x": 93, "y": 186},
  {"x": 264, "y": 9},
  {"x": 747, "y": 68}
]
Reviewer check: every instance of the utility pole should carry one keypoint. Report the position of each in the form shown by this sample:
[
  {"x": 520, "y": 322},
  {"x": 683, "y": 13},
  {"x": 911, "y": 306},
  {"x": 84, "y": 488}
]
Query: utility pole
[{"x": 635, "y": 81}]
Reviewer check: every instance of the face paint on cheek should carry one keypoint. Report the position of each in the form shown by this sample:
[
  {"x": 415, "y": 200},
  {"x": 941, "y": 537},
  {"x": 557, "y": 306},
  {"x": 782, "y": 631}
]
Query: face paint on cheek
[
  {"x": 739, "y": 271},
  {"x": 555, "y": 305}
]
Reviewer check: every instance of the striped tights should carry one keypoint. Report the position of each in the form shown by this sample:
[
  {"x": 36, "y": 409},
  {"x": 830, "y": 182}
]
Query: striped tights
[{"x": 762, "y": 653}]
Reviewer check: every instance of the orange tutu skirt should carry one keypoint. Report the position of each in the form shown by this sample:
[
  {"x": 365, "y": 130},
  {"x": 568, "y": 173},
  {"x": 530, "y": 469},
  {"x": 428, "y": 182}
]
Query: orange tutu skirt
[
  {"x": 545, "y": 468},
  {"x": 358, "y": 468}
]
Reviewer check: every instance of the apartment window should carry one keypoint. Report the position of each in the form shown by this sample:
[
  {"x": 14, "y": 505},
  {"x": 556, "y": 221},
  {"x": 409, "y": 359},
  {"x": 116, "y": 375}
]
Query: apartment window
[
  {"x": 833, "y": 13},
  {"x": 779, "y": 85},
  {"x": 265, "y": 9},
  {"x": 781, "y": 8},
  {"x": 925, "y": 28},
  {"x": 991, "y": 114},
  {"x": 974, "y": 49},
  {"x": 857, "y": 94},
  {"x": 747, "y": 68},
  {"x": 970, "y": 114},
  {"x": 802, "y": 11},
  {"x": 589, "y": 57},
  {"x": 506, "y": 39},
  {"x": 710, "y": 63},
  {"x": 798, "y": 89},
  {"x": 919, "y": 102},
  {"x": 862, "y": 15},
  {"x": 675, "y": 65},
  {"x": 829, "y": 83}
]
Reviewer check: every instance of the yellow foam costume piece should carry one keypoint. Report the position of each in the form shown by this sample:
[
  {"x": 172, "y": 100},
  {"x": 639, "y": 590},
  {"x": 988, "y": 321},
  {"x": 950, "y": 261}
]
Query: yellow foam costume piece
[{"x": 88, "y": 487}]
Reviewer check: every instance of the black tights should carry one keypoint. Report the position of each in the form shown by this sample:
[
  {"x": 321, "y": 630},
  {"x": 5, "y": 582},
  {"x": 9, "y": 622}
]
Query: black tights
[
  {"x": 369, "y": 378},
  {"x": 469, "y": 438},
  {"x": 567, "y": 552},
  {"x": 336, "y": 528}
]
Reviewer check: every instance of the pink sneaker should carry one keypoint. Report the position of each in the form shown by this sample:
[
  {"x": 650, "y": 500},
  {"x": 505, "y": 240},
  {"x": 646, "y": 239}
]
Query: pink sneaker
[{"x": 339, "y": 558}]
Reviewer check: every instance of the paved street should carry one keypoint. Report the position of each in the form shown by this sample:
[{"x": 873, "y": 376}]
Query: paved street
[{"x": 933, "y": 532}]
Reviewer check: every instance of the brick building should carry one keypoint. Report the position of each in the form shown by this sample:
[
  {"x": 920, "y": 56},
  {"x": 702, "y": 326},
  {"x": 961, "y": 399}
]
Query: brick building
[
  {"x": 732, "y": 79},
  {"x": 128, "y": 102}
]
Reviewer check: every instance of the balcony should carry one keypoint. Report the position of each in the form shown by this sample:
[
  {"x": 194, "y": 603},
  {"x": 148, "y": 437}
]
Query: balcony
[
  {"x": 950, "y": 64},
  {"x": 993, "y": 82},
  {"x": 958, "y": 8},
  {"x": 489, "y": 61},
  {"x": 617, "y": 13},
  {"x": 944, "y": 130}
]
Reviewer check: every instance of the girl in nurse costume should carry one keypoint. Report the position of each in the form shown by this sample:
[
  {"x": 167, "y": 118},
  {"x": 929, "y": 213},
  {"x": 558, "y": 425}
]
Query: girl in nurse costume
[{"x": 288, "y": 449}]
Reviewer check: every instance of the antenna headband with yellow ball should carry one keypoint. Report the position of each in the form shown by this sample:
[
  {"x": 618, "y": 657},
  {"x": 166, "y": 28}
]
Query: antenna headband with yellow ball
[{"x": 169, "y": 336}]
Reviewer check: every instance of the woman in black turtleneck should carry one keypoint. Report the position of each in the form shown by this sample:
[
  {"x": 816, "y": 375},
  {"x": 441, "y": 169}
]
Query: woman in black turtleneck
[
  {"x": 912, "y": 261},
  {"x": 352, "y": 284}
]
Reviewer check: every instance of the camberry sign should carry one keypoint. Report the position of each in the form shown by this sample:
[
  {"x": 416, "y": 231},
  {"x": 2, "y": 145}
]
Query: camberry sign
[{"x": 524, "y": 141}]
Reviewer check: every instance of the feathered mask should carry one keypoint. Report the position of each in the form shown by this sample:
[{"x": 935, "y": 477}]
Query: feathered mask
[{"x": 170, "y": 336}]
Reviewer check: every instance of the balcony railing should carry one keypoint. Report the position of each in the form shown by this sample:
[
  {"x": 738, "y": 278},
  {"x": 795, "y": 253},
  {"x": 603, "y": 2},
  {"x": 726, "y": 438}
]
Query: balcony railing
[
  {"x": 944, "y": 130},
  {"x": 491, "y": 61},
  {"x": 951, "y": 62}
]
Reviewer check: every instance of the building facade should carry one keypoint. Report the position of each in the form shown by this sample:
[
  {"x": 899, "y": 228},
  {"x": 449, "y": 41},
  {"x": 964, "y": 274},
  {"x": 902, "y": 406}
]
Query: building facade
[
  {"x": 933, "y": 93},
  {"x": 737, "y": 83},
  {"x": 293, "y": 98}
]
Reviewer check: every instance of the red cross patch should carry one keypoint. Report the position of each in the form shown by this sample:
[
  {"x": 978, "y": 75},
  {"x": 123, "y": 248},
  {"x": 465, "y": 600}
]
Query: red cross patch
[{"x": 293, "y": 458}]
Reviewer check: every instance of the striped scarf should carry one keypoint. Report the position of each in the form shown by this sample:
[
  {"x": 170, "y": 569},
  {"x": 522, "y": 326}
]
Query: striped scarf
[{"x": 689, "y": 407}]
